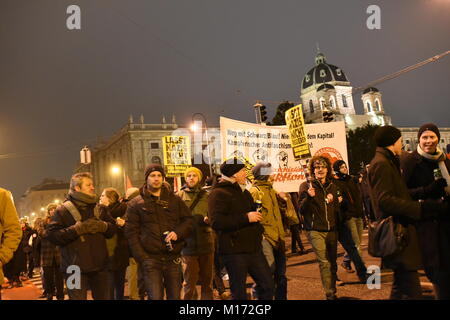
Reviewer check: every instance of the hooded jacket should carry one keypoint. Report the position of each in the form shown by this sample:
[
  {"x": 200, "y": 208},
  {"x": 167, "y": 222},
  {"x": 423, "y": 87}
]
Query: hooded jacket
[
  {"x": 228, "y": 206},
  {"x": 148, "y": 217}
]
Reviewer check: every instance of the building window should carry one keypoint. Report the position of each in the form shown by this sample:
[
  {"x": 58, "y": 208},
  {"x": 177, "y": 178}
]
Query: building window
[
  {"x": 344, "y": 101},
  {"x": 369, "y": 107},
  {"x": 322, "y": 103},
  {"x": 311, "y": 106},
  {"x": 377, "y": 105},
  {"x": 156, "y": 159},
  {"x": 332, "y": 104},
  {"x": 154, "y": 145},
  {"x": 323, "y": 73}
]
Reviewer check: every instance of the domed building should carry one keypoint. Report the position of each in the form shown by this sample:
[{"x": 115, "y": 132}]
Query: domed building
[{"x": 325, "y": 87}]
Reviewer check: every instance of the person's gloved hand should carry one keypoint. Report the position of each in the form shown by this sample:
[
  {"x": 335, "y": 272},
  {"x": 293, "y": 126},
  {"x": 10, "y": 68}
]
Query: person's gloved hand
[
  {"x": 434, "y": 209},
  {"x": 81, "y": 227},
  {"x": 96, "y": 226},
  {"x": 436, "y": 188}
]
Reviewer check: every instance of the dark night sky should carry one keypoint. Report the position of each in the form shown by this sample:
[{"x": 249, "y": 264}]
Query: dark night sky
[{"x": 61, "y": 89}]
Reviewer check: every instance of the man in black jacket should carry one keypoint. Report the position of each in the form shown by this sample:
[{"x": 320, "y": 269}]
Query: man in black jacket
[
  {"x": 319, "y": 205},
  {"x": 390, "y": 197},
  {"x": 232, "y": 214},
  {"x": 157, "y": 223},
  {"x": 80, "y": 228}
]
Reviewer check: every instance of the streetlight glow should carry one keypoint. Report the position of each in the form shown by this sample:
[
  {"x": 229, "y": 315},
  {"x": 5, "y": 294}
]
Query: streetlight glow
[
  {"x": 115, "y": 170},
  {"x": 56, "y": 201},
  {"x": 33, "y": 214},
  {"x": 194, "y": 127}
]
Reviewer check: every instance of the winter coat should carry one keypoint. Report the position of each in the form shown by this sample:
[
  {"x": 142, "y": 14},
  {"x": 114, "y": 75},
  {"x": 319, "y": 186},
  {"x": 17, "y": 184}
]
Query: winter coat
[
  {"x": 148, "y": 217},
  {"x": 50, "y": 253},
  {"x": 351, "y": 205},
  {"x": 318, "y": 214},
  {"x": 390, "y": 197},
  {"x": 434, "y": 235},
  {"x": 118, "y": 250},
  {"x": 201, "y": 241},
  {"x": 10, "y": 231},
  {"x": 228, "y": 206},
  {"x": 89, "y": 251},
  {"x": 272, "y": 220}
]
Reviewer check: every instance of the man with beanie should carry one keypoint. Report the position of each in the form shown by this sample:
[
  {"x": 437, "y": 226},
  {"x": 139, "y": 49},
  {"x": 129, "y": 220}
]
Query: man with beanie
[
  {"x": 157, "y": 223},
  {"x": 80, "y": 228},
  {"x": 198, "y": 255},
  {"x": 273, "y": 237},
  {"x": 350, "y": 222},
  {"x": 10, "y": 234},
  {"x": 418, "y": 169},
  {"x": 232, "y": 214},
  {"x": 391, "y": 197}
]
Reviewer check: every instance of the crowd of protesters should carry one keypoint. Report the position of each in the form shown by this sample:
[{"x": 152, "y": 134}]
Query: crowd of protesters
[{"x": 230, "y": 227}]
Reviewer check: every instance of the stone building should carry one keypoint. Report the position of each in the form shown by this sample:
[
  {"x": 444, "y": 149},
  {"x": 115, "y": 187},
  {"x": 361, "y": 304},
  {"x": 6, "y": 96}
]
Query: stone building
[
  {"x": 126, "y": 154},
  {"x": 34, "y": 201},
  {"x": 325, "y": 87}
]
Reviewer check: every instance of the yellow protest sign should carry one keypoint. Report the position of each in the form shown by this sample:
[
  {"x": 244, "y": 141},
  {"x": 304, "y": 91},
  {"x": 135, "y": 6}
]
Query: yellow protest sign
[
  {"x": 296, "y": 126},
  {"x": 177, "y": 154}
]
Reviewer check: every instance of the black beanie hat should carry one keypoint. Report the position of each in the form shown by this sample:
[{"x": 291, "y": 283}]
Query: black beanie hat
[
  {"x": 262, "y": 170},
  {"x": 386, "y": 136},
  {"x": 431, "y": 127},
  {"x": 154, "y": 167},
  {"x": 337, "y": 164},
  {"x": 231, "y": 166}
]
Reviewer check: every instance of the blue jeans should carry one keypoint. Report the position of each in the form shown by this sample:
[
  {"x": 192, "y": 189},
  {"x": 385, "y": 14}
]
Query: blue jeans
[
  {"x": 346, "y": 240},
  {"x": 255, "y": 264},
  {"x": 161, "y": 274},
  {"x": 276, "y": 258}
]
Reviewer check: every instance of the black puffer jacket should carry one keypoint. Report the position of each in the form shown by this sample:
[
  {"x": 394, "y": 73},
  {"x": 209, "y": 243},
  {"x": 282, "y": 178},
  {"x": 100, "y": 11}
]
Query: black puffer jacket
[
  {"x": 89, "y": 251},
  {"x": 148, "y": 217},
  {"x": 318, "y": 214},
  {"x": 228, "y": 206}
]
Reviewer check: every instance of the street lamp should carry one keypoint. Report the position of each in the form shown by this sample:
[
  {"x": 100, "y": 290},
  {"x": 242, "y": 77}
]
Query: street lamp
[
  {"x": 195, "y": 128},
  {"x": 115, "y": 171}
]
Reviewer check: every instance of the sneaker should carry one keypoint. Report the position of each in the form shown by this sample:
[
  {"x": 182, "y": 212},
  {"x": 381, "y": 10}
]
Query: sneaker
[
  {"x": 331, "y": 297},
  {"x": 347, "y": 266}
]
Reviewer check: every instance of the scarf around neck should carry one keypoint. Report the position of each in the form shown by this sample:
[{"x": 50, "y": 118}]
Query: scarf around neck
[
  {"x": 439, "y": 158},
  {"x": 82, "y": 199}
]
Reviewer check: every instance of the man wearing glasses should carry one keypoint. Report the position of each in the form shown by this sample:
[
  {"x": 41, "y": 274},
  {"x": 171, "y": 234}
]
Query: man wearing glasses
[{"x": 319, "y": 205}]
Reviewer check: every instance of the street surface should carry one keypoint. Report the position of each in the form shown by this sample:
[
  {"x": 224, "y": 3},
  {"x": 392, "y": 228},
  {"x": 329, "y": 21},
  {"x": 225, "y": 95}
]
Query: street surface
[{"x": 303, "y": 280}]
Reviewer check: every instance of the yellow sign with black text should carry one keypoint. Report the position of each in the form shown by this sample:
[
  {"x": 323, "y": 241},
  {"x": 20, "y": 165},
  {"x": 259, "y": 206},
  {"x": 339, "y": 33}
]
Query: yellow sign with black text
[
  {"x": 177, "y": 155},
  {"x": 296, "y": 127}
]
